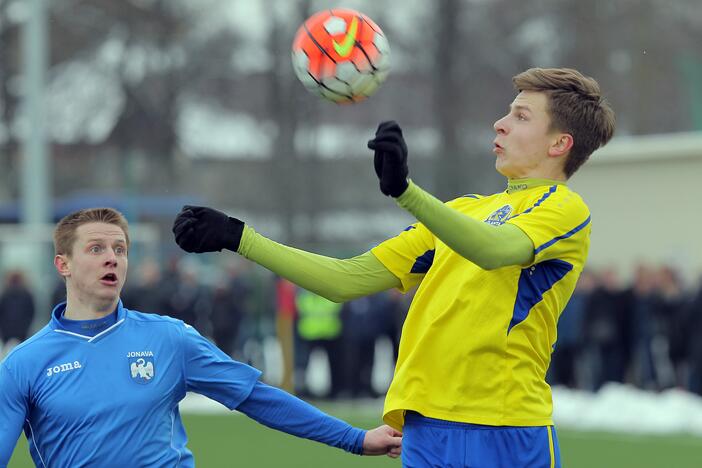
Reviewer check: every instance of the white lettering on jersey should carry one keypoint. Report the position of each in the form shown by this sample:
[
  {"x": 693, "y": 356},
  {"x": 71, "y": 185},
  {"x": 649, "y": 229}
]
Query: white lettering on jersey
[
  {"x": 69, "y": 366},
  {"x": 133, "y": 354}
]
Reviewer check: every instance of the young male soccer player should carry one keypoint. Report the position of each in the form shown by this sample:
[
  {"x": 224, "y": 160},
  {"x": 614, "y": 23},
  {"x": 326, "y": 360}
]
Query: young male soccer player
[
  {"x": 494, "y": 273},
  {"x": 100, "y": 384}
]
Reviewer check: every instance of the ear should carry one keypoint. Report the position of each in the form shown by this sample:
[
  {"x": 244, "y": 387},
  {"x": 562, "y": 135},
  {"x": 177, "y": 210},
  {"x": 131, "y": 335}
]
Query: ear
[
  {"x": 561, "y": 146},
  {"x": 61, "y": 264}
]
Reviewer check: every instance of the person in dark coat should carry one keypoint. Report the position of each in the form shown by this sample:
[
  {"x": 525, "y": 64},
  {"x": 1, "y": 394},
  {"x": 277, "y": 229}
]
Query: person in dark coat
[{"x": 16, "y": 309}]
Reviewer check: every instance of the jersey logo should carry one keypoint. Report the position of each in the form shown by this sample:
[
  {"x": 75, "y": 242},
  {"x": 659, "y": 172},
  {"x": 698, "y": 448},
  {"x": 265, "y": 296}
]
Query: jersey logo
[
  {"x": 142, "y": 370},
  {"x": 68, "y": 366},
  {"x": 498, "y": 217}
]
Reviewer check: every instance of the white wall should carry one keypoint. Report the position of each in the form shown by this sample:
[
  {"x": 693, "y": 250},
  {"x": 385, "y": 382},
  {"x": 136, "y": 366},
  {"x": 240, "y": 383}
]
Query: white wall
[{"x": 645, "y": 195}]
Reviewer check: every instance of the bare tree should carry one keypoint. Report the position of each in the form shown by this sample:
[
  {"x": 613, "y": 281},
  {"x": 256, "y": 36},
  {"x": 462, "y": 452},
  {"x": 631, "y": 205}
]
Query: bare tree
[
  {"x": 447, "y": 86},
  {"x": 283, "y": 106},
  {"x": 9, "y": 66}
]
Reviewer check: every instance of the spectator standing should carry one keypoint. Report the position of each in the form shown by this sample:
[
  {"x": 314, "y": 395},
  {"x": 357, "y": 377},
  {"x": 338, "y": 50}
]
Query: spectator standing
[
  {"x": 318, "y": 326},
  {"x": 608, "y": 322},
  {"x": 565, "y": 360},
  {"x": 285, "y": 330},
  {"x": 229, "y": 301},
  {"x": 362, "y": 323},
  {"x": 16, "y": 311}
]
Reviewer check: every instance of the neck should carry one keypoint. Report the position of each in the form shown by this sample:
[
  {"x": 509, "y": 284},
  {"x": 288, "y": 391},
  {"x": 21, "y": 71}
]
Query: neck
[
  {"x": 515, "y": 185},
  {"x": 80, "y": 310}
]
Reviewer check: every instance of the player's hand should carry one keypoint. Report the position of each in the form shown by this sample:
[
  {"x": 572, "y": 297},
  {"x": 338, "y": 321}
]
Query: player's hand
[
  {"x": 383, "y": 440},
  {"x": 200, "y": 229},
  {"x": 390, "y": 158}
]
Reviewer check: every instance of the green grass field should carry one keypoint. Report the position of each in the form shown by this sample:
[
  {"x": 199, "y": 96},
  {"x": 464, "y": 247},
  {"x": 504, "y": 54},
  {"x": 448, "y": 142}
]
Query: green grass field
[{"x": 231, "y": 440}]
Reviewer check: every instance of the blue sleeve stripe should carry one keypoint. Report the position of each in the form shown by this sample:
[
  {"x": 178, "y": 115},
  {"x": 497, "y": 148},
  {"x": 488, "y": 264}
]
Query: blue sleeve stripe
[
  {"x": 470, "y": 195},
  {"x": 423, "y": 262},
  {"x": 551, "y": 190},
  {"x": 533, "y": 283},
  {"x": 33, "y": 444},
  {"x": 410, "y": 227},
  {"x": 563, "y": 236}
]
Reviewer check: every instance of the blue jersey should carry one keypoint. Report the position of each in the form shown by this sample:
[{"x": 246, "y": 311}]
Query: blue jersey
[{"x": 112, "y": 399}]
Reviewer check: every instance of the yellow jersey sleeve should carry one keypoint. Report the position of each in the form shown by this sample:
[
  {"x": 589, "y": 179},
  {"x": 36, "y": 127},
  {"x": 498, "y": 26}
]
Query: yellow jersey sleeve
[
  {"x": 409, "y": 255},
  {"x": 558, "y": 224}
]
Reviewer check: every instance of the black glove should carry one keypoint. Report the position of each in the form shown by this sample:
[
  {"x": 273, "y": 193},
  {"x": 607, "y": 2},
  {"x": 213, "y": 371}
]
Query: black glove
[
  {"x": 200, "y": 229},
  {"x": 390, "y": 159}
]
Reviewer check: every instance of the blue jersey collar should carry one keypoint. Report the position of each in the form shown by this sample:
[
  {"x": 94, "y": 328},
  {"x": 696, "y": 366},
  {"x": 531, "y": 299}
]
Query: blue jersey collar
[{"x": 59, "y": 327}]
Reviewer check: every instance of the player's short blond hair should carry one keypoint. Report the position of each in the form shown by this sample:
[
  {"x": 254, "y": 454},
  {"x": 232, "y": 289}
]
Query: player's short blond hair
[
  {"x": 65, "y": 232},
  {"x": 576, "y": 106}
]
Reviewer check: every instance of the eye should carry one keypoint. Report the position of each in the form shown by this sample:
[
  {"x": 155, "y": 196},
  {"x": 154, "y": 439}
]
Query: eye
[
  {"x": 95, "y": 249},
  {"x": 521, "y": 116},
  {"x": 120, "y": 250}
]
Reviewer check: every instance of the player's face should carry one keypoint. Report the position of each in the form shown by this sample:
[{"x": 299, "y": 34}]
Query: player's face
[
  {"x": 96, "y": 269},
  {"x": 524, "y": 139}
]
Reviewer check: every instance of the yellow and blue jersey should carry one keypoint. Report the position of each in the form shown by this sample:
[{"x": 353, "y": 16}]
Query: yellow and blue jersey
[{"x": 476, "y": 344}]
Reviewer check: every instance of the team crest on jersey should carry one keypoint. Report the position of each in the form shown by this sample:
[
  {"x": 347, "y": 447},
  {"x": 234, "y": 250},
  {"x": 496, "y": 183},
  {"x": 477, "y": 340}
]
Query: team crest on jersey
[
  {"x": 141, "y": 366},
  {"x": 499, "y": 216}
]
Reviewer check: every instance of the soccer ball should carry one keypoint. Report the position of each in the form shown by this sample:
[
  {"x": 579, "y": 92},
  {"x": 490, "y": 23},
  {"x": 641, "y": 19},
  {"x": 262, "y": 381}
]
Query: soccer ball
[{"x": 341, "y": 55}]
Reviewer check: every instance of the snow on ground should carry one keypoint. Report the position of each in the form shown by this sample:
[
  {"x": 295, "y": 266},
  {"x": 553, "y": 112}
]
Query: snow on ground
[{"x": 615, "y": 408}]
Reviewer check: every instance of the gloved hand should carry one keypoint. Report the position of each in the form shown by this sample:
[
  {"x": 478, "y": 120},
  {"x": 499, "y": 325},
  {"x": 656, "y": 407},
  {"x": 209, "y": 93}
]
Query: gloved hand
[
  {"x": 390, "y": 159},
  {"x": 200, "y": 229}
]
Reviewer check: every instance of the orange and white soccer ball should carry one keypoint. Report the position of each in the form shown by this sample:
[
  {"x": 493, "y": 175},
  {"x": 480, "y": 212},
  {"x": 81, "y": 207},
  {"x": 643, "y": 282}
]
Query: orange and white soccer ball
[{"x": 341, "y": 55}]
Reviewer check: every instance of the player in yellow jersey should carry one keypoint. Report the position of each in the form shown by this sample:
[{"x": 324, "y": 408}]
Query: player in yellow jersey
[{"x": 493, "y": 275}]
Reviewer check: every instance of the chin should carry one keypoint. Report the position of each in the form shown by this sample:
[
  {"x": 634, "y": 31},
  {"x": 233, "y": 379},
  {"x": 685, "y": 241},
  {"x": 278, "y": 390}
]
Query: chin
[
  {"x": 501, "y": 170},
  {"x": 107, "y": 298}
]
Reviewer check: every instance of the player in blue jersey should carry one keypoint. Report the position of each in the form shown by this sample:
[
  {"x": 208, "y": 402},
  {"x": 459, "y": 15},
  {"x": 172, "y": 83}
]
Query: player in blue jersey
[{"x": 100, "y": 384}]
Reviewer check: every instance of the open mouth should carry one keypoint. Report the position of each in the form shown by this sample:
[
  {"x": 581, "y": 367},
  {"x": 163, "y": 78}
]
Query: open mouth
[{"x": 109, "y": 278}]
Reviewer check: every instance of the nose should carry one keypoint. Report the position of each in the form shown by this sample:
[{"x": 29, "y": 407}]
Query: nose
[
  {"x": 499, "y": 126},
  {"x": 110, "y": 258}
]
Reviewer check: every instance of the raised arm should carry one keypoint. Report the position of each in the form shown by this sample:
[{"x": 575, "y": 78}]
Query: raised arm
[
  {"x": 485, "y": 245},
  {"x": 200, "y": 229}
]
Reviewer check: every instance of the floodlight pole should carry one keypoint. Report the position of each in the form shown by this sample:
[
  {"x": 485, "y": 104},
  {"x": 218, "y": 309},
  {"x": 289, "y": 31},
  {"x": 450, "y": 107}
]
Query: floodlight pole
[{"x": 36, "y": 184}]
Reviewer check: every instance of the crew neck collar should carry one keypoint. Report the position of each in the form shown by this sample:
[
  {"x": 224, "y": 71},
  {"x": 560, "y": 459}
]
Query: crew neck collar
[{"x": 517, "y": 185}]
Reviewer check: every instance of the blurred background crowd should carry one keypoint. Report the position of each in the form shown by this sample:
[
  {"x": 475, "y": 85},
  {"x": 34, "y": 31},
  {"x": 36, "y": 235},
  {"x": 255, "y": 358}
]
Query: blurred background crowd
[
  {"x": 644, "y": 332},
  {"x": 146, "y": 105}
]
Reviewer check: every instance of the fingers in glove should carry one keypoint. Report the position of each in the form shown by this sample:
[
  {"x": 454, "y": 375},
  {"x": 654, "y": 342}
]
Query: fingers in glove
[
  {"x": 388, "y": 125},
  {"x": 184, "y": 213},
  {"x": 187, "y": 242},
  {"x": 378, "y": 163},
  {"x": 202, "y": 240},
  {"x": 182, "y": 222},
  {"x": 389, "y": 138},
  {"x": 183, "y": 236},
  {"x": 390, "y": 151}
]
